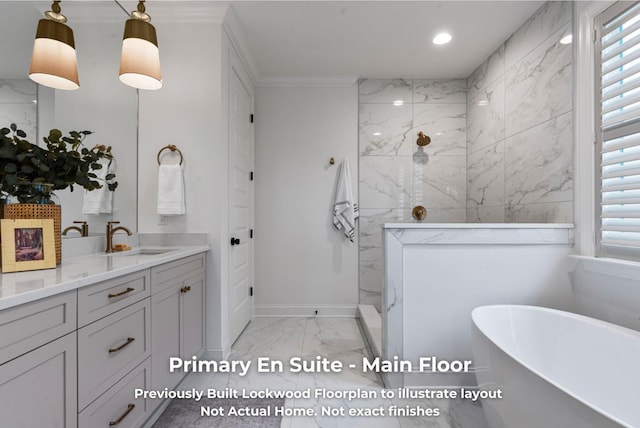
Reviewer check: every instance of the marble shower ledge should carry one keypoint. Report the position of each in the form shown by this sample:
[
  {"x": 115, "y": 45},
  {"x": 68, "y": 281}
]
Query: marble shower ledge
[
  {"x": 482, "y": 233},
  {"x": 23, "y": 287}
]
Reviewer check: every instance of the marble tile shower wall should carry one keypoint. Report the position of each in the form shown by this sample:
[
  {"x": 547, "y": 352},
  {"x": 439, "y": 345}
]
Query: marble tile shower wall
[
  {"x": 519, "y": 134},
  {"x": 396, "y": 174}
]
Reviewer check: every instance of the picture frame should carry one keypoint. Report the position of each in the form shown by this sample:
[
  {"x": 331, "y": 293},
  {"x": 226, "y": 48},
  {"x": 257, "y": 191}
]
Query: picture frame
[{"x": 27, "y": 244}]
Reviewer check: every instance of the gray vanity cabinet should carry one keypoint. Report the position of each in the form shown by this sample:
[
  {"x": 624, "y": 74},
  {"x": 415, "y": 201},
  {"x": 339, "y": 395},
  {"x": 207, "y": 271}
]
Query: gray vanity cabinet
[
  {"x": 73, "y": 360},
  {"x": 177, "y": 316}
]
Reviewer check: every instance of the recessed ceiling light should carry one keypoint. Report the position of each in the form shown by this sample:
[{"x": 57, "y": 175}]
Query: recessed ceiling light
[
  {"x": 377, "y": 134},
  {"x": 566, "y": 40},
  {"x": 442, "y": 39},
  {"x": 398, "y": 103}
]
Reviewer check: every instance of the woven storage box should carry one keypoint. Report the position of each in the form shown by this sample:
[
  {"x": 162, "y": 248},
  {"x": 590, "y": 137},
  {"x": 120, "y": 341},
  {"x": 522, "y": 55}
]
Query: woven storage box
[{"x": 39, "y": 211}]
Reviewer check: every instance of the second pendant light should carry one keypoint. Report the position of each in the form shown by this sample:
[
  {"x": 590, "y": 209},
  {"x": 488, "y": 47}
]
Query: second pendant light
[{"x": 140, "y": 58}]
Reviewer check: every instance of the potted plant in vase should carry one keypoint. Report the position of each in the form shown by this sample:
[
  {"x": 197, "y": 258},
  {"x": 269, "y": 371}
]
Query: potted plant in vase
[{"x": 29, "y": 174}]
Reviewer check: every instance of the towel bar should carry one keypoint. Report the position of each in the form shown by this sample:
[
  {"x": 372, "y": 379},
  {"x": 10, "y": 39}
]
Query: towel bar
[{"x": 171, "y": 147}]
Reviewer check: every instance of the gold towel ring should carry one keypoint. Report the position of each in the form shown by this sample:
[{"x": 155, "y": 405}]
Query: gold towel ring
[{"x": 171, "y": 147}]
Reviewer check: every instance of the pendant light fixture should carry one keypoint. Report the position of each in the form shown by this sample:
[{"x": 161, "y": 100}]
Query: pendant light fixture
[
  {"x": 54, "y": 62},
  {"x": 140, "y": 59}
]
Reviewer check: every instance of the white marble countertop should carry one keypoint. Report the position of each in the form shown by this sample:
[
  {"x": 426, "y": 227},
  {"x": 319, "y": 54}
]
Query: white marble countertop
[
  {"x": 478, "y": 226},
  {"x": 17, "y": 288}
]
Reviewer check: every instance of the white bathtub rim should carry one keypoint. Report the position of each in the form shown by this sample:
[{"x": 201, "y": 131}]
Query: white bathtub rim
[
  {"x": 589, "y": 320},
  {"x": 622, "y": 330}
]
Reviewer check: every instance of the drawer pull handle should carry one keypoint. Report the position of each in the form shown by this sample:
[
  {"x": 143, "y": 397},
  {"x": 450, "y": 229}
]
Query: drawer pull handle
[
  {"x": 129, "y": 340},
  {"x": 128, "y": 290},
  {"x": 185, "y": 289},
  {"x": 130, "y": 407}
]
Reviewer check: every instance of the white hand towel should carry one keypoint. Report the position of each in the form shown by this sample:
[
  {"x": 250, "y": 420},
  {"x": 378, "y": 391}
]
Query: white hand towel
[
  {"x": 345, "y": 209},
  {"x": 100, "y": 201},
  {"x": 170, "y": 190}
]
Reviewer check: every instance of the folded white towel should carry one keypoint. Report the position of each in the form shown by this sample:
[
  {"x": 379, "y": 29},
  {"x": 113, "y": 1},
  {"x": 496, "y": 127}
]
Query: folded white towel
[
  {"x": 100, "y": 201},
  {"x": 170, "y": 190},
  {"x": 345, "y": 209}
]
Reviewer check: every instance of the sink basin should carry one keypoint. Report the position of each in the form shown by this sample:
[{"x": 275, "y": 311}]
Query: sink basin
[
  {"x": 141, "y": 251},
  {"x": 147, "y": 251}
]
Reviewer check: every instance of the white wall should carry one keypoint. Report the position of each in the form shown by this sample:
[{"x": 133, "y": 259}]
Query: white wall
[
  {"x": 187, "y": 112},
  {"x": 303, "y": 263}
]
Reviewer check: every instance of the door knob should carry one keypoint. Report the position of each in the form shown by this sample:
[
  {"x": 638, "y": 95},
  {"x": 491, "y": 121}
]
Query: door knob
[{"x": 235, "y": 241}]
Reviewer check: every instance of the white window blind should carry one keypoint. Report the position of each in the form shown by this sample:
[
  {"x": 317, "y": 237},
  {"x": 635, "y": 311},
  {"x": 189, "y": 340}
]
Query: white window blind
[{"x": 619, "y": 139}]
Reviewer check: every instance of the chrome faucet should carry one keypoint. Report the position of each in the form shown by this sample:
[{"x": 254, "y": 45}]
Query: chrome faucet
[
  {"x": 84, "y": 229},
  {"x": 110, "y": 231}
]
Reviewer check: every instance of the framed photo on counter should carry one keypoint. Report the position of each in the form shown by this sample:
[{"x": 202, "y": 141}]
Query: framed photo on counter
[{"x": 27, "y": 244}]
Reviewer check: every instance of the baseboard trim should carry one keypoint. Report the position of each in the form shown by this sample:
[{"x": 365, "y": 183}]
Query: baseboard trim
[
  {"x": 306, "y": 311},
  {"x": 217, "y": 354}
]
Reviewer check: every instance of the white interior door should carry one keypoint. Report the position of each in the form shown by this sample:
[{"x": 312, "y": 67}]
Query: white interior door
[{"x": 240, "y": 205}]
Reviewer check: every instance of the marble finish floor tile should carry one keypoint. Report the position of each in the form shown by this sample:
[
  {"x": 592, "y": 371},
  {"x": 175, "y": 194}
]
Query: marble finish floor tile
[{"x": 338, "y": 339}]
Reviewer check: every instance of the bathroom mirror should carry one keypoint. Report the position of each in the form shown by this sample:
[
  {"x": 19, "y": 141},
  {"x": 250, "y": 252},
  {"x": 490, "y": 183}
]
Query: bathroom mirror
[{"x": 102, "y": 104}]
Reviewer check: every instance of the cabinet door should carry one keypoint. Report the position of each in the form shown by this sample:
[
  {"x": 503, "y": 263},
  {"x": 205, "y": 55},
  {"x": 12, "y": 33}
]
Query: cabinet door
[
  {"x": 192, "y": 322},
  {"x": 39, "y": 388},
  {"x": 165, "y": 336}
]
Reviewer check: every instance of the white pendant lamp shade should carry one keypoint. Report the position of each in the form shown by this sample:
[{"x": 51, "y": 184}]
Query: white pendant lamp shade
[
  {"x": 54, "y": 62},
  {"x": 140, "y": 59}
]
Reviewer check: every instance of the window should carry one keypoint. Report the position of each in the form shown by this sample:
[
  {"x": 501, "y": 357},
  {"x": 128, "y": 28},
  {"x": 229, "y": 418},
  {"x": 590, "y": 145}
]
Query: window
[{"x": 618, "y": 120}]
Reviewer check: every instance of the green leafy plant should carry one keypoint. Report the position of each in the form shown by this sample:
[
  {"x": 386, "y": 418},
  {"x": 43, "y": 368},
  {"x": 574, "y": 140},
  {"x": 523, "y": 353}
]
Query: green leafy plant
[{"x": 63, "y": 162}]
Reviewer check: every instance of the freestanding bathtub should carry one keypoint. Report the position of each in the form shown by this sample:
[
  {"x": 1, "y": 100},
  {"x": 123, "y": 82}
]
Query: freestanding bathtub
[{"x": 555, "y": 369}]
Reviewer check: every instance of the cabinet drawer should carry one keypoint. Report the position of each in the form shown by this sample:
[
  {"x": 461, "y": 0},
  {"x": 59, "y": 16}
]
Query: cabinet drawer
[
  {"x": 163, "y": 276},
  {"x": 99, "y": 300},
  {"x": 28, "y": 326},
  {"x": 109, "y": 348},
  {"x": 118, "y": 404}
]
